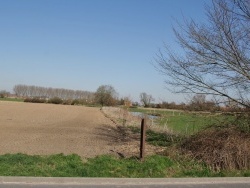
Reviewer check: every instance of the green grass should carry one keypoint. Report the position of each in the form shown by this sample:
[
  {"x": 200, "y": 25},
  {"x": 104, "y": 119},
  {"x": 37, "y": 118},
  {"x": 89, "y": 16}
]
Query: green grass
[
  {"x": 54, "y": 165},
  {"x": 12, "y": 99},
  {"x": 158, "y": 138},
  {"x": 59, "y": 165},
  {"x": 72, "y": 166},
  {"x": 185, "y": 123}
]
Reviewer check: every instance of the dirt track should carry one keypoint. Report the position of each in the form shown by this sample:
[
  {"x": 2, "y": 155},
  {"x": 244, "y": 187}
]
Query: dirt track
[{"x": 44, "y": 129}]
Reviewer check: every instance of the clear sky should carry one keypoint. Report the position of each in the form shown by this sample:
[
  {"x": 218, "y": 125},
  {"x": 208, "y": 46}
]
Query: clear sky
[{"x": 82, "y": 44}]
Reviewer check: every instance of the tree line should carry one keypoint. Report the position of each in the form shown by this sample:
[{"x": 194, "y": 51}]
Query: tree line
[
  {"x": 26, "y": 91},
  {"x": 4, "y": 94}
]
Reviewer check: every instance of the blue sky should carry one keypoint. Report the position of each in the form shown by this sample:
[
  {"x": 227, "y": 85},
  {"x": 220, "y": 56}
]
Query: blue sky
[{"x": 82, "y": 44}]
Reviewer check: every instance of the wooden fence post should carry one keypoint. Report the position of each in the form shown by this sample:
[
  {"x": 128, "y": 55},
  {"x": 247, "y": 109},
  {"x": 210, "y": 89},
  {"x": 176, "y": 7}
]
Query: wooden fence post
[{"x": 143, "y": 138}]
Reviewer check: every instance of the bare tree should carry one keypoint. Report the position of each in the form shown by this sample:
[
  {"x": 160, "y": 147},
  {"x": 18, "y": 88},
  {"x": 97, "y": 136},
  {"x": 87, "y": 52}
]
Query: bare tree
[
  {"x": 146, "y": 99},
  {"x": 198, "y": 102},
  {"x": 43, "y": 92},
  {"x": 20, "y": 90},
  {"x": 215, "y": 59}
]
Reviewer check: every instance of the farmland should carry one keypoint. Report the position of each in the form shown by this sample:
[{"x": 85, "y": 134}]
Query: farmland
[
  {"x": 68, "y": 140},
  {"x": 44, "y": 129}
]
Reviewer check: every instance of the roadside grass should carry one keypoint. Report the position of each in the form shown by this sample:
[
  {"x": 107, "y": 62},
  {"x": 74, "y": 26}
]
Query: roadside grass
[
  {"x": 169, "y": 164},
  {"x": 12, "y": 99},
  {"x": 59, "y": 165}
]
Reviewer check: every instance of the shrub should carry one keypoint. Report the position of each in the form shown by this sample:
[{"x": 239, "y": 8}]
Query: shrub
[
  {"x": 67, "y": 102},
  {"x": 55, "y": 100},
  {"x": 35, "y": 100},
  {"x": 79, "y": 102},
  {"x": 225, "y": 148},
  {"x": 75, "y": 102}
]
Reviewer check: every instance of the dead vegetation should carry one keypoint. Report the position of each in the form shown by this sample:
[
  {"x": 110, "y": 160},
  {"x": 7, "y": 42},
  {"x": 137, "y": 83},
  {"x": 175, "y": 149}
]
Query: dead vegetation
[{"x": 221, "y": 148}]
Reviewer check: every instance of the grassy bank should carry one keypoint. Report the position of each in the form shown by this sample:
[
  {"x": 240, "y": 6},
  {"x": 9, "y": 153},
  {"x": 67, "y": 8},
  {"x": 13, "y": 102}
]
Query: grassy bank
[
  {"x": 12, "y": 99},
  {"x": 105, "y": 166},
  {"x": 182, "y": 122}
]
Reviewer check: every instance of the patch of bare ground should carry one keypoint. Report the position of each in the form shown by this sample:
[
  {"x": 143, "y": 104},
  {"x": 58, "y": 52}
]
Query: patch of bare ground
[
  {"x": 44, "y": 129},
  {"x": 221, "y": 148},
  {"x": 129, "y": 141}
]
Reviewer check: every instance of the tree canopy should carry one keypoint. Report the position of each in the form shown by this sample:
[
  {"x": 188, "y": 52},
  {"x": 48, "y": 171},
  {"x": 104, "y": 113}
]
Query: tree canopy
[{"x": 106, "y": 95}]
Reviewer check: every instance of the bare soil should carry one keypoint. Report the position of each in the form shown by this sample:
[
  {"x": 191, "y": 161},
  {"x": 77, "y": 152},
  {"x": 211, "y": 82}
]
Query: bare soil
[{"x": 43, "y": 129}]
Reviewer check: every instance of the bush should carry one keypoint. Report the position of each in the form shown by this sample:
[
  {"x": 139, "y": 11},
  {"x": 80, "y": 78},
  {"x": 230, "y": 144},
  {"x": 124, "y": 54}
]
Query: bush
[
  {"x": 225, "y": 148},
  {"x": 67, "y": 102},
  {"x": 35, "y": 100},
  {"x": 75, "y": 102},
  {"x": 79, "y": 102},
  {"x": 4, "y": 94},
  {"x": 55, "y": 100}
]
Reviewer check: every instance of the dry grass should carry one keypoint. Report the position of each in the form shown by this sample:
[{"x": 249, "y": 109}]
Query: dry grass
[{"x": 220, "y": 148}]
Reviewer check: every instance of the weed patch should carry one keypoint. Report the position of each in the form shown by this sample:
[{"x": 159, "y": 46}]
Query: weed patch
[
  {"x": 158, "y": 138},
  {"x": 225, "y": 148}
]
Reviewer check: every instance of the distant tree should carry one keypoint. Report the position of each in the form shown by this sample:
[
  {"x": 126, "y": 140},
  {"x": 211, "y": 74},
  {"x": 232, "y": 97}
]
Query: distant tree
[
  {"x": 20, "y": 90},
  {"x": 4, "y": 94},
  {"x": 106, "y": 95},
  {"x": 127, "y": 102},
  {"x": 43, "y": 92},
  {"x": 215, "y": 57},
  {"x": 135, "y": 104},
  {"x": 146, "y": 99},
  {"x": 198, "y": 102}
]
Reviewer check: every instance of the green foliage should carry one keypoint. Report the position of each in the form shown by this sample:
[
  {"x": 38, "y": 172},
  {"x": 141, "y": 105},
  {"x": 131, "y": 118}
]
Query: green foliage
[
  {"x": 54, "y": 165},
  {"x": 158, "y": 138},
  {"x": 162, "y": 139},
  {"x": 107, "y": 166},
  {"x": 242, "y": 120}
]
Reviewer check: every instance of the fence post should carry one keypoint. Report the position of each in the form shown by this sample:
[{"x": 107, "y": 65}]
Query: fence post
[{"x": 143, "y": 139}]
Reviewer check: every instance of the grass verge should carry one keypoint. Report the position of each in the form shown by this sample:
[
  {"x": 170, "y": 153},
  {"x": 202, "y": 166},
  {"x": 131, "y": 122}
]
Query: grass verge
[{"x": 105, "y": 166}]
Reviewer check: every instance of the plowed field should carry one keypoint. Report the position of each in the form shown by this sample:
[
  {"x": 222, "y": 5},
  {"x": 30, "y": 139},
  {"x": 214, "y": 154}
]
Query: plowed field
[{"x": 44, "y": 129}]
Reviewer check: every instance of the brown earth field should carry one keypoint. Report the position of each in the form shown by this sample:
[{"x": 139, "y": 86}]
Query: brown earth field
[{"x": 44, "y": 129}]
